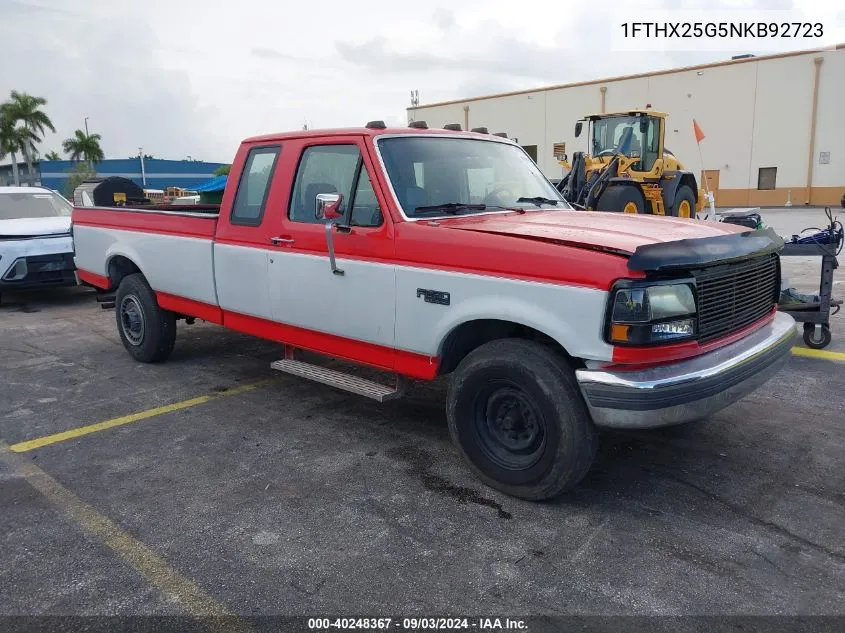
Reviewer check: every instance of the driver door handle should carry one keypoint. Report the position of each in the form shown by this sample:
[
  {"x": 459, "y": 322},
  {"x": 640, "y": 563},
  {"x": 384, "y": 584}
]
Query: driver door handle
[{"x": 278, "y": 241}]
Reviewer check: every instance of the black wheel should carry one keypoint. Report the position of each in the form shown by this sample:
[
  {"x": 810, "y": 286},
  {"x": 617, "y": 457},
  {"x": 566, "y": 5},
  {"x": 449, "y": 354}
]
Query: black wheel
[
  {"x": 516, "y": 415},
  {"x": 684, "y": 206},
  {"x": 622, "y": 199},
  {"x": 815, "y": 342},
  {"x": 148, "y": 333}
]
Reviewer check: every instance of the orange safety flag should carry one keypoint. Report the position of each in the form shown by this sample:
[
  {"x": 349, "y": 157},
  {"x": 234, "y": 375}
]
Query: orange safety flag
[{"x": 698, "y": 133}]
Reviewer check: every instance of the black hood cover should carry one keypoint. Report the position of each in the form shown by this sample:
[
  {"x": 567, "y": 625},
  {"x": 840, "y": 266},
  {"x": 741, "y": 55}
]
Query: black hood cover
[{"x": 705, "y": 251}]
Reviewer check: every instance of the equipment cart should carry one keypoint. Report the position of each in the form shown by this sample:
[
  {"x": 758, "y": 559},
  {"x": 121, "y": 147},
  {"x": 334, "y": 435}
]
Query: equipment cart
[{"x": 816, "y": 319}]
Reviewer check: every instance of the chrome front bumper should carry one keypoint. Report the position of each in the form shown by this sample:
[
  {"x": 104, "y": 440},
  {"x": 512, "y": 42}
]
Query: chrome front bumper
[{"x": 690, "y": 389}]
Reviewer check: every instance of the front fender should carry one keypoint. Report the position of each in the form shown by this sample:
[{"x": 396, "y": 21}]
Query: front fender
[
  {"x": 571, "y": 315},
  {"x": 669, "y": 187}
]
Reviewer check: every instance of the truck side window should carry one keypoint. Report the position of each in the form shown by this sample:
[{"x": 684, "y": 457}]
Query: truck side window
[
  {"x": 322, "y": 169},
  {"x": 251, "y": 196},
  {"x": 365, "y": 209}
]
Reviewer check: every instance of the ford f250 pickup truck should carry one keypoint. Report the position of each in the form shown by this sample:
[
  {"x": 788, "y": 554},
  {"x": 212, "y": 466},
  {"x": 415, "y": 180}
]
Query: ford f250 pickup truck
[{"x": 426, "y": 252}]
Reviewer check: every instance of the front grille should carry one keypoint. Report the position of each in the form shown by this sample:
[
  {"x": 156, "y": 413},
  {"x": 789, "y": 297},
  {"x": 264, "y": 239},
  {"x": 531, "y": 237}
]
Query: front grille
[
  {"x": 732, "y": 296},
  {"x": 49, "y": 263}
]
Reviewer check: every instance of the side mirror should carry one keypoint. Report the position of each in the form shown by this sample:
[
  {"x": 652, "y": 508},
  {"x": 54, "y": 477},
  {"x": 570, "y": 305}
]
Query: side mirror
[
  {"x": 578, "y": 127},
  {"x": 328, "y": 206}
]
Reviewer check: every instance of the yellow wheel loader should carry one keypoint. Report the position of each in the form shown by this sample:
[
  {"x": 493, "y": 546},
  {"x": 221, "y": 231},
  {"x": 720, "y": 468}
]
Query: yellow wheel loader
[{"x": 628, "y": 169}]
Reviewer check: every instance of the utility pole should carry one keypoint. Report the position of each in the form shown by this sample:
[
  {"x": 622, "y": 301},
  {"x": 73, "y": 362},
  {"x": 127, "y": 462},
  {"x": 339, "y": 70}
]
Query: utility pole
[
  {"x": 143, "y": 173},
  {"x": 86, "y": 126}
]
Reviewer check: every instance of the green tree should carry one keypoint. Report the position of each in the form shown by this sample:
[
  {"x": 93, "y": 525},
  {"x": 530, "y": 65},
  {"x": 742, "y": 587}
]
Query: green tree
[
  {"x": 79, "y": 174},
  {"x": 84, "y": 146},
  {"x": 52, "y": 156},
  {"x": 12, "y": 138},
  {"x": 26, "y": 109},
  {"x": 223, "y": 170}
]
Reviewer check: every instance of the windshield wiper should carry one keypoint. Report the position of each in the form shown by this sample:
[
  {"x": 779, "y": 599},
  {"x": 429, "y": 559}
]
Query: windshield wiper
[
  {"x": 538, "y": 200},
  {"x": 452, "y": 208}
]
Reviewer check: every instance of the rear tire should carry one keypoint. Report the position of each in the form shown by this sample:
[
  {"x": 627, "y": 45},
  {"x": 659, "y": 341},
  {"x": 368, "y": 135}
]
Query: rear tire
[
  {"x": 684, "y": 206},
  {"x": 147, "y": 332},
  {"x": 622, "y": 199},
  {"x": 517, "y": 416}
]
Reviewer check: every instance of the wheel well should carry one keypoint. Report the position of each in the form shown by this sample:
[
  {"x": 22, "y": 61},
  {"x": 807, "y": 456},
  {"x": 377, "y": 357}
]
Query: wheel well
[
  {"x": 120, "y": 267},
  {"x": 472, "y": 334}
]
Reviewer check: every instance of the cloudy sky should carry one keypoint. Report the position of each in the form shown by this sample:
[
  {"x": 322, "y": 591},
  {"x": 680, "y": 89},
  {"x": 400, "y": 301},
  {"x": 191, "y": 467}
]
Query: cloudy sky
[{"x": 185, "y": 77}]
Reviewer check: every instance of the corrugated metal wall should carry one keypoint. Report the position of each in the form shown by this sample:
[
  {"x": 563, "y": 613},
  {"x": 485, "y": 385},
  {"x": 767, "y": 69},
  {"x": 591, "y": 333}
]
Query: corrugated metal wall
[{"x": 159, "y": 173}]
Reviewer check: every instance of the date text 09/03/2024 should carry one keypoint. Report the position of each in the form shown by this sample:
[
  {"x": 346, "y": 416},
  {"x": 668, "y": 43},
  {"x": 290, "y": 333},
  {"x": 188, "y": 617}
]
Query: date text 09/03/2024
[{"x": 418, "y": 624}]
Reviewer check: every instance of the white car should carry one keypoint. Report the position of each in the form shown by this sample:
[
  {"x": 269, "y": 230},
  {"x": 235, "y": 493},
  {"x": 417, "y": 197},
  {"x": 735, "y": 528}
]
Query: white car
[{"x": 36, "y": 247}]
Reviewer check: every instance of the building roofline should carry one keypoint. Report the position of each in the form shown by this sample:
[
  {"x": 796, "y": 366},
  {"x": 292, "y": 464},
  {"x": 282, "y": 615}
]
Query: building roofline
[{"x": 654, "y": 73}]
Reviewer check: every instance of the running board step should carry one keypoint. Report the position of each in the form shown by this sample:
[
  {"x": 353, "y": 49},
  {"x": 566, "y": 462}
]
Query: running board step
[{"x": 340, "y": 380}]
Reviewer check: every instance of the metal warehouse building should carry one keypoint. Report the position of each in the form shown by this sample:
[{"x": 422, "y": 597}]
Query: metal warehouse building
[
  {"x": 154, "y": 174},
  {"x": 774, "y": 125}
]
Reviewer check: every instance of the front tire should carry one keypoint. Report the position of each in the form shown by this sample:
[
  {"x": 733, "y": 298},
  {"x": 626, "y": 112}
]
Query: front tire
[
  {"x": 147, "y": 332},
  {"x": 621, "y": 199},
  {"x": 517, "y": 416}
]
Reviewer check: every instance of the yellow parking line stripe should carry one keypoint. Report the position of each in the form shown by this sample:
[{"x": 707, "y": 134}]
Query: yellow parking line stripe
[
  {"x": 132, "y": 551},
  {"x": 38, "y": 442},
  {"x": 818, "y": 353}
]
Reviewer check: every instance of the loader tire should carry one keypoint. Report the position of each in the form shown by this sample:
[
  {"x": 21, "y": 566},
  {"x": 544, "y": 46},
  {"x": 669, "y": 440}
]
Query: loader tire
[
  {"x": 147, "y": 331},
  {"x": 684, "y": 206},
  {"x": 622, "y": 199},
  {"x": 518, "y": 418}
]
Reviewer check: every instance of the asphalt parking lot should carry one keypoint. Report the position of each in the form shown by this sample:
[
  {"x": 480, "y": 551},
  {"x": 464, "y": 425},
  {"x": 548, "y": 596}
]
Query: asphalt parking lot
[{"x": 213, "y": 485}]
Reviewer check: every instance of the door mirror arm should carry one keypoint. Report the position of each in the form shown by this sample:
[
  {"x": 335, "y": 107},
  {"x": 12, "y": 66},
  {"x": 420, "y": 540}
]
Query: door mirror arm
[{"x": 327, "y": 208}]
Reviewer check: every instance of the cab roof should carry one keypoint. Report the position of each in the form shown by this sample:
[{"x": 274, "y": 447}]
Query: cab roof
[
  {"x": 634, "y": 112},
  {"x": 373, "y": 132}
]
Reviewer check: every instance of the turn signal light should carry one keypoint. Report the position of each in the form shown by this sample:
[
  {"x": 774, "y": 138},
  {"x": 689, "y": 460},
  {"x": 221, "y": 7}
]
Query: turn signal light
[{"x": 619, "y": 333}]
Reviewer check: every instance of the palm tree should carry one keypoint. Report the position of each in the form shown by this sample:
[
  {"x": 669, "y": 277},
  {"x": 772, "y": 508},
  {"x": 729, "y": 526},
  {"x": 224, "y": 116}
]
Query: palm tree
[
  {"x": 12, "y": 139},
  {"x": 52, "y": 156},
  {"x": 26, "y": 109},
  {"x": 85, "y": 146}
]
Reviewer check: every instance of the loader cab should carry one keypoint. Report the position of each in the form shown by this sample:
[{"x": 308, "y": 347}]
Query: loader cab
[{"x": 637, "y": 135}]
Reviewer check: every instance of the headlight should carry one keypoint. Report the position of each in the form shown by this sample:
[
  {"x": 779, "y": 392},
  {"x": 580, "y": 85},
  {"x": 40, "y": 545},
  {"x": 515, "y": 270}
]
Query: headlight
[{"x": 647, "y": 314}]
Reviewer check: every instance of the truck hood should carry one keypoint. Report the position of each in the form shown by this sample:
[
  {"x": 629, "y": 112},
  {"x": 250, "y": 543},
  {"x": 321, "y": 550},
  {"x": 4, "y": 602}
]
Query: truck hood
[
  {"x": 614, "y": 232},
  {"x": 34, "y": 227}
]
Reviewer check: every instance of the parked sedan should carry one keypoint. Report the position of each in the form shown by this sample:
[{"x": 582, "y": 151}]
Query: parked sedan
[{"x": 36, "y": 247}]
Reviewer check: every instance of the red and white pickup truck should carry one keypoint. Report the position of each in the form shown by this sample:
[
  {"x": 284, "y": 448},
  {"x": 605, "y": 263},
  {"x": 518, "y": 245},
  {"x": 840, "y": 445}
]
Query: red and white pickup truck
[{"x": 428, "y": 252}]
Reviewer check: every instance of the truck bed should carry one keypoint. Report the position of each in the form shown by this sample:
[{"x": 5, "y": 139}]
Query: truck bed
[
  {"x": 198, "y": 221},
  {"x": 172, "y": 245}
]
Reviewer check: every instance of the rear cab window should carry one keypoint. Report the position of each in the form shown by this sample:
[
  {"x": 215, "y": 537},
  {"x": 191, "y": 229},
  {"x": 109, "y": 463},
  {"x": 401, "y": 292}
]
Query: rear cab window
[{"x": 254, "y": 185}]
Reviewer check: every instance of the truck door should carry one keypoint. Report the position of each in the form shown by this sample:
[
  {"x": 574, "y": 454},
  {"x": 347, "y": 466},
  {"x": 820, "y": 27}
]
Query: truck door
[
  {"x": 359, "y": 304},
  {"x": 241, "y": 245}
]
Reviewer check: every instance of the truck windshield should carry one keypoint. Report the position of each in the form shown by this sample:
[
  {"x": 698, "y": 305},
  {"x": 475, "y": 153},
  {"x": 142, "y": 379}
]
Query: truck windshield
[
  {"x": 463, "y": 175},
  {"x": 39, "y": 203}
]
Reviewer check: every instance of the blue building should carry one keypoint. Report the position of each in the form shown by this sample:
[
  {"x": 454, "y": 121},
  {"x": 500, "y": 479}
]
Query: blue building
[{"x": 157, "y": 173}]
